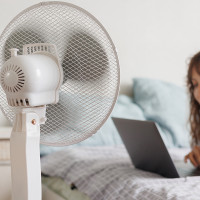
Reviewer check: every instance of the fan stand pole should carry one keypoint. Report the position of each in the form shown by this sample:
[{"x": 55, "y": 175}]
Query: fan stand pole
[{"x": 25, "y": 154}]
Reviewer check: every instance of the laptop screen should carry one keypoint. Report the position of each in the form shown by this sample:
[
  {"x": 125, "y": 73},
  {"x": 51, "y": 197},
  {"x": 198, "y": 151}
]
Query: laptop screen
[{"x": 145, "y": 146}]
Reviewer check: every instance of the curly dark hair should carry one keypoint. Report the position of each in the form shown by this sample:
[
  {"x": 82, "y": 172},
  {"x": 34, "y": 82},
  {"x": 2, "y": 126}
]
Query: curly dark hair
[{"x": 194, "y": 118}]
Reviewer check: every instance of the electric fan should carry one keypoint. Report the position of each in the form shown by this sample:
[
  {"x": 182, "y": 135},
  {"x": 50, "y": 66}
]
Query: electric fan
[{"x": 59, "y": 68}]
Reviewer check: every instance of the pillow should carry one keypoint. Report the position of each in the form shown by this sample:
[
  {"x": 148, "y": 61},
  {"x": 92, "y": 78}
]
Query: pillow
[
  {"x": 166, "y": 104},
  {"x": 107, "y": 135},
  {"x": 126, "y": 108}
]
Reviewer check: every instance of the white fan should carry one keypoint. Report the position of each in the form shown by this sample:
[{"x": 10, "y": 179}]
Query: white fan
[{"x": 59, "y": 55}]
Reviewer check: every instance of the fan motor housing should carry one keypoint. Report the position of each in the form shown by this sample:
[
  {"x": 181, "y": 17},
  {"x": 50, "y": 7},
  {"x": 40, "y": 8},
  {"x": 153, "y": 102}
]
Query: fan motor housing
[{"x": 31, "y": 80}]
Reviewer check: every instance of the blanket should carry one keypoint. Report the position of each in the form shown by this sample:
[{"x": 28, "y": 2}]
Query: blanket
[{"x": 106, "y": 173}]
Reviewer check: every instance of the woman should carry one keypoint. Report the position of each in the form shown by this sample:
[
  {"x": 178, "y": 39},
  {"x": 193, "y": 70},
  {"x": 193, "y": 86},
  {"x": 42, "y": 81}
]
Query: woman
[{"x": 193, "y": 83}]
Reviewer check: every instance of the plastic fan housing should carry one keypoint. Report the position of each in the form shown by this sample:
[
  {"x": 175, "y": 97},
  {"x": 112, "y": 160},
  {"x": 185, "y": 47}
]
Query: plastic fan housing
[{"x": 31, "y": 80}]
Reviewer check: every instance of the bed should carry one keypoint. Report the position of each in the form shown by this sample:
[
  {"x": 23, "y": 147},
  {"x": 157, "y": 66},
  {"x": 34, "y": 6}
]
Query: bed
[
  {"x": 107, "y": 173},
  {"x": 100, "y": 168}
]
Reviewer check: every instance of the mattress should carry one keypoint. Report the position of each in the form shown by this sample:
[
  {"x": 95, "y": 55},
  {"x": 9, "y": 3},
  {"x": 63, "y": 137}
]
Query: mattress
[{"x": 60, "y": 190}]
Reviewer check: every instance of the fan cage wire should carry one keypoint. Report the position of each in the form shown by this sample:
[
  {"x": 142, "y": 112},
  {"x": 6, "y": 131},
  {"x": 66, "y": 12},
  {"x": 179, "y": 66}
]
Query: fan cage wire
[{"x": 65, "y": 133}]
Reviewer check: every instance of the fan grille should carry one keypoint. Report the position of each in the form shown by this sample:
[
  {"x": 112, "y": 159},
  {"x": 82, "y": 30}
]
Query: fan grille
[{"x": 89, "y": 61}]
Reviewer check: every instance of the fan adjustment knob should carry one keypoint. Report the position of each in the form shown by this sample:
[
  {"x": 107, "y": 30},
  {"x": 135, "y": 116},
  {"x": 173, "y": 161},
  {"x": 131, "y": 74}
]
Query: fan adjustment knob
[{"x": 13, "y": 52}]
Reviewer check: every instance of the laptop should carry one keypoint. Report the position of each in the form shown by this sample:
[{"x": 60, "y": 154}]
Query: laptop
[{"x": 148, "y": 151}]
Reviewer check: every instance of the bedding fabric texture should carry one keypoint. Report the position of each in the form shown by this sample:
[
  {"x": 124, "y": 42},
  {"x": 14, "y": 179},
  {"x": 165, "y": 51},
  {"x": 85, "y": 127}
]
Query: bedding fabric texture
[
  {"x": 166, "y": 104},
  {"x": 106, "y": 173}
]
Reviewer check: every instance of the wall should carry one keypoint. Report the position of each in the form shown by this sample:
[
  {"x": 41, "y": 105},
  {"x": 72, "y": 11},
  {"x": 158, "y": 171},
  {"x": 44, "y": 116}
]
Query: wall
[{"x": 154, "y": 38}]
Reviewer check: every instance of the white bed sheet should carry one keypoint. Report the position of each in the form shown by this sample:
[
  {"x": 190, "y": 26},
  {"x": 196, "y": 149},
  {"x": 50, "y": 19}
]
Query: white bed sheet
[{"x": 106, "y": 173}]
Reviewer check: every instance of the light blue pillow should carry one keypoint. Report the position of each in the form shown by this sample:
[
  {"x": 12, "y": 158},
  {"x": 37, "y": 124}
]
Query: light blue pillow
[
  {"x": 126, "y": 108},
  {"x": 107, "y": 135},
  {"x": 166, "y": 104}
]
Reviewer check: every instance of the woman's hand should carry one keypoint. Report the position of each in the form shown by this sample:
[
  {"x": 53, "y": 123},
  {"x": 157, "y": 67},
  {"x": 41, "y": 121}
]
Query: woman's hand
[{"x": 194, "y": 156}]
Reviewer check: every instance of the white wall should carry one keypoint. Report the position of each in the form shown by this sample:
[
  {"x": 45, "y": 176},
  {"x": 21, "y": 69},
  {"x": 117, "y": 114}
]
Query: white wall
[{"x": 154, "y": 38}]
